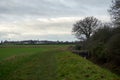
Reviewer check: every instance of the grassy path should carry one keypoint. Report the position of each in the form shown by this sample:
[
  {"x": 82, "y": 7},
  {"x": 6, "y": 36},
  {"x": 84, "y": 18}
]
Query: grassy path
[
  {"x": 39, "y": 66},
  {"x": 51, "y": 63}
]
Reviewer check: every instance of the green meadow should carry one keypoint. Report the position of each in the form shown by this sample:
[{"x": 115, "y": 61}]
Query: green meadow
[{"x": 48, "y": 62}]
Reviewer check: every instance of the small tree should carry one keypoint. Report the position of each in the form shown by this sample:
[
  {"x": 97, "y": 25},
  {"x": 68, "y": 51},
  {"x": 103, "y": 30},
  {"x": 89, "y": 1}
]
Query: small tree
[
  {"x": 83, "y": 29},
  {"x": 115, "y": 12}
]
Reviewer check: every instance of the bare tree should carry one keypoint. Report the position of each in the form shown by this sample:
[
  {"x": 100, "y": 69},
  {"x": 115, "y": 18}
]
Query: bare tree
[
  {"x": 83, "y": 29},
  {"x": 115, "y": 12}
]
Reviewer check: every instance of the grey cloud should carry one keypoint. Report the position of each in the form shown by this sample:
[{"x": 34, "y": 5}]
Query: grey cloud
[
  {"x": 49, "y": 7},
  {"x": 24, "y": 15}
]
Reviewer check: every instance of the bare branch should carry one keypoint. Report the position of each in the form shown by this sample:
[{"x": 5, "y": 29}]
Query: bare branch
[{"x": 85, "y": 27}]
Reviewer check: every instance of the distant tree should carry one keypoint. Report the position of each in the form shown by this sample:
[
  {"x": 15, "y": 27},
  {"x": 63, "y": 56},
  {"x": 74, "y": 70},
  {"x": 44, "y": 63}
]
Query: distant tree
[
  {"x": 115, "y": 12},
  {"x": 83, "y": 29}
]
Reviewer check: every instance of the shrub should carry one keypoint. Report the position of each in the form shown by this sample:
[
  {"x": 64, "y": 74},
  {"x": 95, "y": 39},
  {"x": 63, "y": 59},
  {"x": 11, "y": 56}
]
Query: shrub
[
  {"x": 99, "y": 52},
  {"x": 102, "y": 34},
  {"x": 113, "y": 48},
  {"x": 77, "y": 47}
]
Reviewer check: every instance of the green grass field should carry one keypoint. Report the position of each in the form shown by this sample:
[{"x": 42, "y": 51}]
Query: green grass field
[{"x": 48, "y": 62}]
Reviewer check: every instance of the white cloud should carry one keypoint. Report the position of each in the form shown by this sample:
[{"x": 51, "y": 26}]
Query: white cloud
[{"x": 25, "y": 19}]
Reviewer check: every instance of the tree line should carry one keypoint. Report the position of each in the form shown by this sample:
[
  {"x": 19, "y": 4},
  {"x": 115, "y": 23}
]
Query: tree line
[{"x": 102, "y": 40}]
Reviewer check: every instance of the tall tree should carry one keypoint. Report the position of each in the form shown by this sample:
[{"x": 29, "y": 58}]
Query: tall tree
[
  {"x": 83, "y": 29},
  {"x": 115, "y": 12}
]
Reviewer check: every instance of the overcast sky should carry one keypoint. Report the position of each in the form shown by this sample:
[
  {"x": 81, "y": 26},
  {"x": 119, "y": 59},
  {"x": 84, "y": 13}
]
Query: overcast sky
[{"x": 47, "y": 19}]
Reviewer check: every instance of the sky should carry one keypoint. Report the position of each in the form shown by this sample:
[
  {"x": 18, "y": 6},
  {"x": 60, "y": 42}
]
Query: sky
[{"x": 47, "y": 19}]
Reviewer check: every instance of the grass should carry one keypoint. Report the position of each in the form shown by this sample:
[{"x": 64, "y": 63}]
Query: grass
[
  {"x": 48, "y": 62},
  {"x": 23, "y": 49},
  {"x": 73, "y": 67}
]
